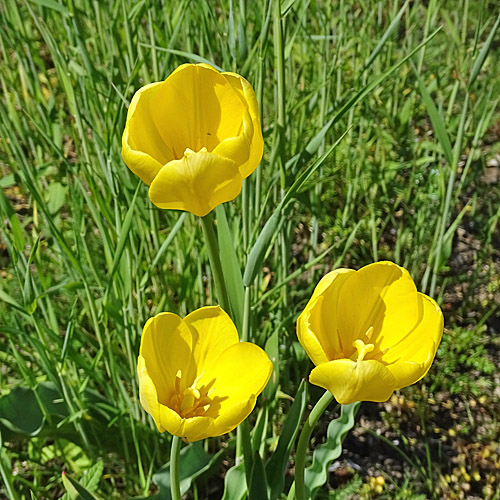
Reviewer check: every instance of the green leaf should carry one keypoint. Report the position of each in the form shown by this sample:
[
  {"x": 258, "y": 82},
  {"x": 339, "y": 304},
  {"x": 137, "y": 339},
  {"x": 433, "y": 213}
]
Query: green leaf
[
  {"x": 182, "y": 53},
  {"x": 20, "y": 412},
  {"x": 478, "y": 63},
  {"x": 231, "y": 267},
  {"x": 258, "y": 482},
  {"x": 277, "y": 465},
  {"x": 56, "y": 194},
  {"x": 317, "y": 474},
  {"x": 75, "y": 490},
  {"x": 15, "y": 225},
  {"x": 6, "y": 473},
  {"x": 258, "y": 432},
  {"x": 91, "y": 479},
  {"x": 392, "y": 27},
  {"x": 286, "y": 6},
  {"x": 272, "y": 350},
  {"x": 194, "y": 461},
  {"x": 235, "y": 483},
  {"x": 164, "y": 246},
  {"x": 52, "y": 4},
  {"x": 438, "y": 123},
  {"x": 447, "y": 245},
  {"x": 259, "y": 249},
  {"x": 317, "y": 140},
  {"x": 26, "y": 412},
  {"x": 124, "y": 234}
]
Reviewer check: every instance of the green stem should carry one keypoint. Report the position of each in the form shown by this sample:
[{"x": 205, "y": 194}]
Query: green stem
[
  {"x": 243, "y": 431},
  {"x": 246, "y": 316},
  {"x": 215, "y": 264},
  {"x": 279, "y": 57},
  {"x": 175, "y": 485},
  {"x": 305, "y": 435}
]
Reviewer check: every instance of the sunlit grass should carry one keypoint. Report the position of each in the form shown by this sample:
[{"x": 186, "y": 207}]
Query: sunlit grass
[{"x": 86, "y": 258}]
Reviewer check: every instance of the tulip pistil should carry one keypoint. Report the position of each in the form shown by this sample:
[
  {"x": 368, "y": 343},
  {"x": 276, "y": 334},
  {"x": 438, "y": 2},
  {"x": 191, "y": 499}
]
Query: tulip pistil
[
  {"x": 362, "y": 349},
  {"x": 193, "y": 401}
]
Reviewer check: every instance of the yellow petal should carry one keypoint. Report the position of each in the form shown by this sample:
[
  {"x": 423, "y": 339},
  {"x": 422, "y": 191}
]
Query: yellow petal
[
  {"x": 238, "y": 148},
  {"x": 196, "y": 107},
  {"x": 247, "y": 94},
  {"x": 240, "y": 374},
  {"x": 415, "y": 344},
  {"x": 143, "y": 149},
  {"x": 317, "y": 326},
  {"x": 382, "y": 296},
  {"x": 196, "y": 183},
  {"x": 166, "y": 349},
  {"x": 406, "y": 373},
  {"x": 212, "y": 333},
  {"x": 147, "y": 393},
  {"x": 190, "y": 429},
  {"x": 351, "y": 381},
  {"x": 241, "y": 370},
  {"x": 232, "y": 416}
]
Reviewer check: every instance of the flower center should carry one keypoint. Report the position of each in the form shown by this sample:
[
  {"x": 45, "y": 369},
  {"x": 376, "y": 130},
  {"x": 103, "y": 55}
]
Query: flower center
[
  {"x": 194, "y": 401},
  {"x": 362, "y": 349}
]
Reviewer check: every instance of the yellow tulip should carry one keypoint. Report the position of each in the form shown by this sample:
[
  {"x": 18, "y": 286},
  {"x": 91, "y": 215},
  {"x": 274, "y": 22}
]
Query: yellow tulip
[
  {"x": 193, "y": 138},
  {"x": 195, "y": 378},
  {"x": 369, "y": 332}
]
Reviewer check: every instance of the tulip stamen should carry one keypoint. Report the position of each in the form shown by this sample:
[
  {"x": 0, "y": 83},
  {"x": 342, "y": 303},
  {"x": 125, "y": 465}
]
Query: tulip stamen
[
  {"x": 193, "y": 401},
  {"x": 362, "y": 349},
  {"x": 178, "y": 377},
  {"x": 369, "y": 333},
  {"x": 379, "y": 354}
]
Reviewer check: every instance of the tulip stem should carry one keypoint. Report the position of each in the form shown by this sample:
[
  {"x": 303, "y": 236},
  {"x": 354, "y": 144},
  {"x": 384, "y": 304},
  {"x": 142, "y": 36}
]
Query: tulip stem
[
  {"x": 175, "y": 485},
  {"x": 302, "y": 447},
  {"x": 215, "y": 264}
]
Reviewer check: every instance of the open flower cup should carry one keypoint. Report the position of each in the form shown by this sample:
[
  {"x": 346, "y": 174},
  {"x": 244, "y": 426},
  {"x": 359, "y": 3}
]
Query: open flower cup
[
  {"x": 195, "y": 378},
  {"x": 193, "y": 138},
  {"x": 369, "y": 332}
]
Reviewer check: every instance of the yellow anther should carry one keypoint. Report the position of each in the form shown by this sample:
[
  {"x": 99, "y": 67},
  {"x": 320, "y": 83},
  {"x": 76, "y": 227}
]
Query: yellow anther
[
  {"x": 369, "y": 333},
  {"x": 190, "y": 395},
  {"x": 189, "y": 151},
  {"x": 178, "y": 377},
  {"x": 197, "y": 379},
  {"x": 192, "y": 390},
  {"x": 362, "y": 348}
]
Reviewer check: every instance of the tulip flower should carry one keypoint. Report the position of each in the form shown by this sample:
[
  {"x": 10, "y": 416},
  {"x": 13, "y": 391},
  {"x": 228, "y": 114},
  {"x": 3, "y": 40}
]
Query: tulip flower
[
  {"x": 369, "y": 332},
  {"x": 193, "y": 138},
  {"x": 195, "y": 378}
]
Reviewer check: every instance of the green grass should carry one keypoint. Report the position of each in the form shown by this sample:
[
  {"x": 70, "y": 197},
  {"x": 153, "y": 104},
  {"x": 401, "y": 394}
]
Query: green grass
[{"x": 86, "y": 258}]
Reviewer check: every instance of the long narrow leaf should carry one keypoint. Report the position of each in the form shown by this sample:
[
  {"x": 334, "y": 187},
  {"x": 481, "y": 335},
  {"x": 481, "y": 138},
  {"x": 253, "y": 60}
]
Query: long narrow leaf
[
  {"x": 437, "y": 120},
  {"x": 277, "y": 465},
  {"x": 478, "y": 63},
  {"x": 231, "y": 267},
  {"x": 317, "y": 474}
]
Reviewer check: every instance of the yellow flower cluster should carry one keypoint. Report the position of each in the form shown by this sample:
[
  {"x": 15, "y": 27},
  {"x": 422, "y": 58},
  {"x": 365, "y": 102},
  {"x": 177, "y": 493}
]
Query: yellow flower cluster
[{"x": 193, "y": 138}]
